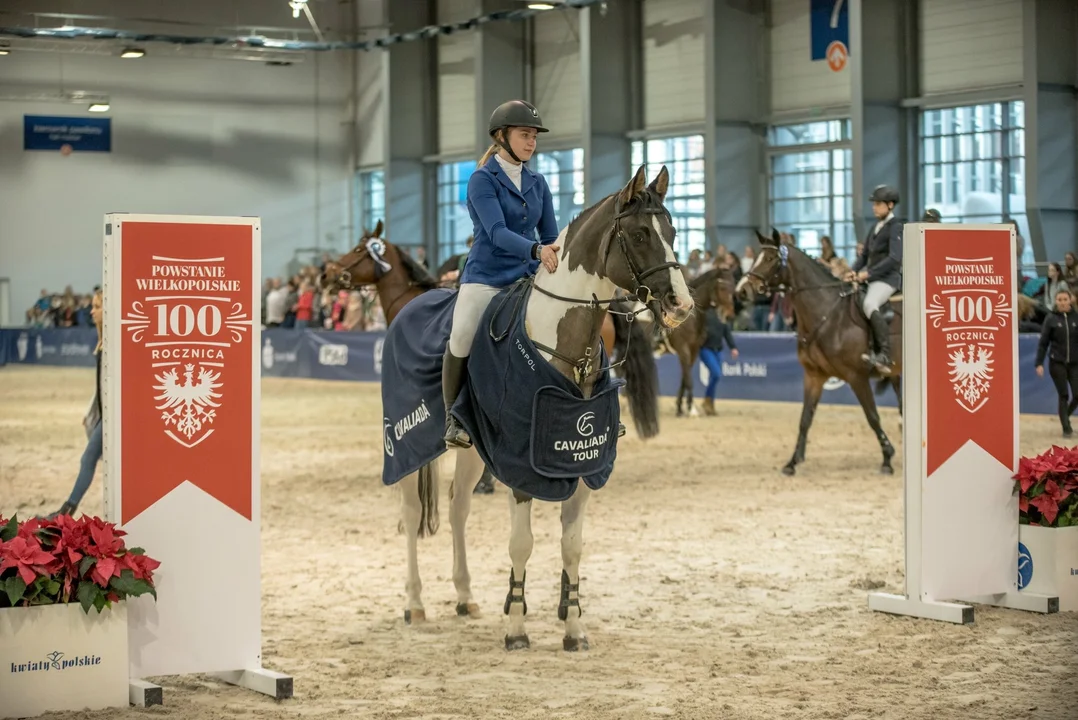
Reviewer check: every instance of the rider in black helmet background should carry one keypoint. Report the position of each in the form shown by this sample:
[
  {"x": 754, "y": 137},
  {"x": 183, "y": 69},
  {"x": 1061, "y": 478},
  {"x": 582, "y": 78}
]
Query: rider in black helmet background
[
  {"x": 880, "y": 265},
  {"x": 932, "y": 215}
]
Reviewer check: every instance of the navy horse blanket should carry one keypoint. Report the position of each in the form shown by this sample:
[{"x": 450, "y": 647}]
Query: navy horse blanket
[{"x": 529, "y": 423}]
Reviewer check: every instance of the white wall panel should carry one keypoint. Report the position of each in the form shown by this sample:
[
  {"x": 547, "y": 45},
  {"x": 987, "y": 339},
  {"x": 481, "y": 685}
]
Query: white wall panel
[
  {"x": 456, "y": 80},
  {"x": 970, "y": 44},
  {"x": 673, "y": 62},
  {"x": 370, "y": 98},
  {"x": 188, "y": 137},
  {"x": 798, "y": 82},
  {"x": 556, "y": 75}
]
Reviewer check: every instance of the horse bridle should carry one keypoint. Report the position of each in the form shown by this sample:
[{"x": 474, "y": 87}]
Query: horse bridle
[
  {"x": 344, "y": 277},
  {"x": 642, "y": 292}
]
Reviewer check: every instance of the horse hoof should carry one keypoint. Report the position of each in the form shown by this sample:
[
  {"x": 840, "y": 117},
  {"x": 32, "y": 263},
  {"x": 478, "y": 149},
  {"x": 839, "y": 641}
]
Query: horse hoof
[
  {"x": 415, "y": 617},
  {"x": 887, "y": 470},
  {"x": 467, "y": 610},
  {"x": 520, "y": 642},
  {"x": 788, "y": 470},
  {"x": 572, "y": 644}
]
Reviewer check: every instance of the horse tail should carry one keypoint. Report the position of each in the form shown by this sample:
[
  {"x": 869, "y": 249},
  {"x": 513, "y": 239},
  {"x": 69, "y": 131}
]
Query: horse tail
[
  {"x": 641, "y": 376},
  {"x": 428, "y": 500}
]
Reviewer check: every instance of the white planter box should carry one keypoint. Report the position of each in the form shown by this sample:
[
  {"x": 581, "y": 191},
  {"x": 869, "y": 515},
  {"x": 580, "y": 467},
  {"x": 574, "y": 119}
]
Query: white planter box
[
  {"x": 58, "y": 658},
  {"x": 1048, "y": 563}
]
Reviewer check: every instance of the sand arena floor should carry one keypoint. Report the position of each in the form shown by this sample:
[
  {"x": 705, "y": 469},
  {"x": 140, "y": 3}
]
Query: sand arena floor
[{"x": 712, "y": 586}]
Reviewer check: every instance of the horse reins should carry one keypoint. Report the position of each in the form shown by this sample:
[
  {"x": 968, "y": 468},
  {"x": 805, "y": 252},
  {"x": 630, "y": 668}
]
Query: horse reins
[
  {"x": 583, "y": 366},
  {"x": 783, "y": 259}
]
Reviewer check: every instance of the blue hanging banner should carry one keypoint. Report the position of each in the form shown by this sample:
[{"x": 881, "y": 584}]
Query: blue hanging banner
[
  {"x": 830, "y": 27},
  {"x": 81, "y": 134}
]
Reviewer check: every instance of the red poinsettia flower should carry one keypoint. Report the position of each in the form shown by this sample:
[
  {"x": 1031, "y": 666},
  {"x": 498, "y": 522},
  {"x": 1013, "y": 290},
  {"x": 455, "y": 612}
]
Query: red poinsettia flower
[
  {"x": 26, "y": 556},
  {"x": 1048, "y": 501},
  {"x": 140, "y": 565}
]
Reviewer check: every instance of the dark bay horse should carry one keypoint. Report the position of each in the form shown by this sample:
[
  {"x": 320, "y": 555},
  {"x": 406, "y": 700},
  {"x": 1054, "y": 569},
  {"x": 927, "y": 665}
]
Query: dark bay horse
[
  {"x": 832, "y": 334},
  {"x": 712, "y": 289}
]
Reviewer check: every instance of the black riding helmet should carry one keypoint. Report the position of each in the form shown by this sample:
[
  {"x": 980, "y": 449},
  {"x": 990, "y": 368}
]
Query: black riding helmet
[
  {"x": 884, "y": 194},
  {"x": 515, "y": 113},
  {"x": 932, "y": 215}
]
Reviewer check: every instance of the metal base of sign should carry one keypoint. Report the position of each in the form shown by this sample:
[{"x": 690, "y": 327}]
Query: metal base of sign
[
  {"x": 144, "y": 694},
  {"x": 1029, "y": 602},
  {"x": 268, "y": 682},
  {"x": 927, "y": 609}
]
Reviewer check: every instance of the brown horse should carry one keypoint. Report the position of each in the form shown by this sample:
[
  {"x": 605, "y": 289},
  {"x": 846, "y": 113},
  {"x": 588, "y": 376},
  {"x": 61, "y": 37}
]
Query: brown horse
[
  {"x": 712, "y": 289},
  {"x": 832, "y": 334}
]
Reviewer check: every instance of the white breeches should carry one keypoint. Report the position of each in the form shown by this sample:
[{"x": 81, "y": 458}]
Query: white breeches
[
  {"x": 472, "y": 300},
  {"x": 875, "y": 296}
]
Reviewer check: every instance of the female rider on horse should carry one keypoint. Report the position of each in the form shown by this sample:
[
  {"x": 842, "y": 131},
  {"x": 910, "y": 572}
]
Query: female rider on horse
[{"x": 508, "y": 203}]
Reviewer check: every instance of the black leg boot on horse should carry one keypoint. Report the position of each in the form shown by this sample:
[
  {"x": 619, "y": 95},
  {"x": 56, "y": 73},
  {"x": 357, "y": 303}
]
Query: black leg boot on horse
[
  {"x": 452, "y": 379},
  {"x": 881, "y": 339}
]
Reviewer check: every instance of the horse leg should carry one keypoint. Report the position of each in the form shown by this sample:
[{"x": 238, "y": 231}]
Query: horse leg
[
  {"x": 521, "y": 542},
  {"x": 572, "y": 543},
  {"x": 863, "y": 391},
  {"x": 411, "y": 512},
  {"x": 687, "y": 366},
  {"x": 466, "y": 476},
  {"x": 813, "y": 390}
]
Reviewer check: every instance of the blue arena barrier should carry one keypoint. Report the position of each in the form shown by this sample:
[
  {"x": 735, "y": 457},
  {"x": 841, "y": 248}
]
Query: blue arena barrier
[{"x": 766, "y": 370}]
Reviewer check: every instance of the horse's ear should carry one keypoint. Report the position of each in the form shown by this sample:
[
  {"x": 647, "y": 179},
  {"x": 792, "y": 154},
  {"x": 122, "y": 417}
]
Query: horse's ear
[
  {"x": 633, "y": 188},
  {"x": 378, "y": 230},
  {"x": 661, "y": 183},
  {"x": 762, "y": 239},
  {"x": 776, "y": 236}
]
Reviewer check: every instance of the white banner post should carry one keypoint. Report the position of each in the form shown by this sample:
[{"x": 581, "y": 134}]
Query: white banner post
[
  {"x": 960, "y": 424},
  {"x": 180, "y": 390}
]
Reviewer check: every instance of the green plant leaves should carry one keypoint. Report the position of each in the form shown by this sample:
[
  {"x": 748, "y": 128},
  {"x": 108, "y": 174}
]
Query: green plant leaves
[
  {"x": 9, "y": 531},
  {"x": 88, "y": 594},
  {"x": 128, "y": 584},
  {"x": 14, "y": 588}
]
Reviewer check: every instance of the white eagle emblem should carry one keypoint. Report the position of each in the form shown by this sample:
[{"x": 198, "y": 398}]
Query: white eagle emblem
[
  {"x": 971, "y": 375},
  {"x": 187, "y": 403}
]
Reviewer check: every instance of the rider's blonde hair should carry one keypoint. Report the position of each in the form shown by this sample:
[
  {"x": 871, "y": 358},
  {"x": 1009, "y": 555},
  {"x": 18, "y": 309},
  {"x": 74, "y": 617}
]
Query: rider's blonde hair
[{"x": 494, "y": 147}]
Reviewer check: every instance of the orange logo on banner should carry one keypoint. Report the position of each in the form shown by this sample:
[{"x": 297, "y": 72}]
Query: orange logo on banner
[
  {"x": 969, "y": 344},
  {"x": 837, "y": 55},
  {"x": 186, "y": 359}
]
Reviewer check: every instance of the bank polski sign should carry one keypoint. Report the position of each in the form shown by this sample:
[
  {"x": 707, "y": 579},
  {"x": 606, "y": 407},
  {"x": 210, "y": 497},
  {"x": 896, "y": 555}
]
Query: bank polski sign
[{"x": 56, "y": 658}]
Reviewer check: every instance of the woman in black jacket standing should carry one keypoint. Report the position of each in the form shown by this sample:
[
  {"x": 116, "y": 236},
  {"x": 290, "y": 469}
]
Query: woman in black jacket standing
[{"x": 1060, "y": 333}]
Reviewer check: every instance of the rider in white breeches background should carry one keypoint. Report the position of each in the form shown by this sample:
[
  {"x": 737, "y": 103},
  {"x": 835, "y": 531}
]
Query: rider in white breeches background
[{"x": 880, "y": 265}]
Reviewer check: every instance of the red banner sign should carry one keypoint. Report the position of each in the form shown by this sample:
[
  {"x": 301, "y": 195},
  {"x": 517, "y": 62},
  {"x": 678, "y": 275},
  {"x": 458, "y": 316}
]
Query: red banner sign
[
  {"x": 186, "y": 362},
  {"x": 969, "y": 280}
]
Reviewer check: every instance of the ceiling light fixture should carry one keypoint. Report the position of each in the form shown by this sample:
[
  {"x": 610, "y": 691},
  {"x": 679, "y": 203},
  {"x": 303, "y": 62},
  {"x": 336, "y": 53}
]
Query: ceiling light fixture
[
  {"x": 540, "y": 6},
  {"x": 132, "y": 53},
  {"x": 297, "y": 7},
  {"x": 99, "y": 107}
]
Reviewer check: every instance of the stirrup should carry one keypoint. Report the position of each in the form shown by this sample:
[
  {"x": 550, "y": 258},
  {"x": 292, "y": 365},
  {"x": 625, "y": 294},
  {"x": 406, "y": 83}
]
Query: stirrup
[{"x": 455, "y": 435}]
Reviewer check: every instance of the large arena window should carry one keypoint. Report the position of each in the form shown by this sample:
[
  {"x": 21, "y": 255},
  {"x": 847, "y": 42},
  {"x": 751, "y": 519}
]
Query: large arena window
[
  {"x": 454, "y": 223},
  {"x": 973, "y": 164},
  {"x": 564, "y": 173},
  {"x": 684, "y": 160},
  {"x": 371, "y": 195},
  {"x": 811, "y": 184}
]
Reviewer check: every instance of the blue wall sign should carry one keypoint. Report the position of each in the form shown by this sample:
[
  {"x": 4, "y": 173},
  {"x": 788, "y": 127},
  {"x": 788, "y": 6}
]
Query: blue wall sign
[
  {"x": 830, "y": 23},
  {"x": 83, "y": 134}
]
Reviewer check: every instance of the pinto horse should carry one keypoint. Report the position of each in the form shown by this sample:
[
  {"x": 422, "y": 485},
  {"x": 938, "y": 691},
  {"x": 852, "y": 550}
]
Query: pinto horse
[
  {"x": 398, "y": 280},
  {"x": 832, "y": 335}
]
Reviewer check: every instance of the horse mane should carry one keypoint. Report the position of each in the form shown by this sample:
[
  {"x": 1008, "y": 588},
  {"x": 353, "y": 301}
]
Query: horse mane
[
  {"x": 824, "y": 272},
  {"x": 418, "y": 274}
]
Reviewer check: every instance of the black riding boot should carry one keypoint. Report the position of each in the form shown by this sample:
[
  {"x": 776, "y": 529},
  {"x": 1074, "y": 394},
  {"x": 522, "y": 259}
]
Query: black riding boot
[
  {"x": 881, "y": 336},
  {"x": 452, "y": 378}
]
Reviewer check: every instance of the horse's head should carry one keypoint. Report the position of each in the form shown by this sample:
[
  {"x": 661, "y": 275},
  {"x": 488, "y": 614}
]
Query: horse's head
[
  {"x": 365, "y": 264},
  {"x": 722, "y": 292},
  {"x": 644, "y": 262},
  {"x": 770, "y": 268}
]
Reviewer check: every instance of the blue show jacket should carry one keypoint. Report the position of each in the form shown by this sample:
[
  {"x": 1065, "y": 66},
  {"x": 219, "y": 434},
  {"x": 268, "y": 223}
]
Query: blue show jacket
[{"x": 504, "y": 223}]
